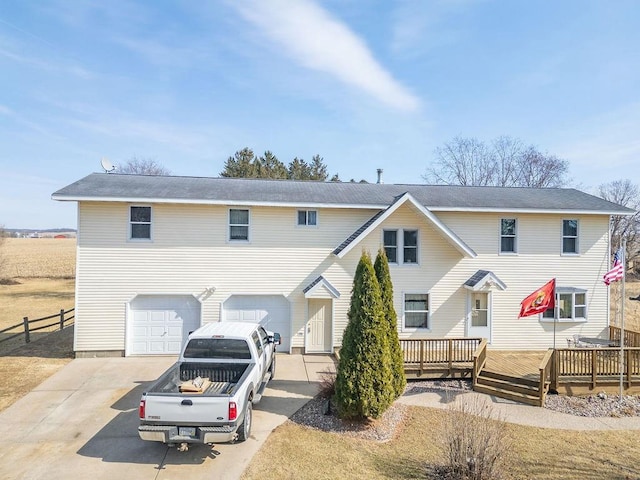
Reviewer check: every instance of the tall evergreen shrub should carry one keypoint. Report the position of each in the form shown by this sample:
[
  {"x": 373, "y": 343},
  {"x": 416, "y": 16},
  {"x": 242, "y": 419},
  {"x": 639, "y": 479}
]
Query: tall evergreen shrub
[
  {"x": 364, "y": 380},
  {"x": 383, "y": 275}
]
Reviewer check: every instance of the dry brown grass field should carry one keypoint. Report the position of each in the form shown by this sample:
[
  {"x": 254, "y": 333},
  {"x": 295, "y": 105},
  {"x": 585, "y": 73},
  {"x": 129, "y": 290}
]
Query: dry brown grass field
[
  {"x": 39, "y": 258},
  {"x": 42, "y": 271}
]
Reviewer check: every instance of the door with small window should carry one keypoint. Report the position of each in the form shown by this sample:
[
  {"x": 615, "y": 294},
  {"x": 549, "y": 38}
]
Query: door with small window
[{"x": 479, "y": 317}]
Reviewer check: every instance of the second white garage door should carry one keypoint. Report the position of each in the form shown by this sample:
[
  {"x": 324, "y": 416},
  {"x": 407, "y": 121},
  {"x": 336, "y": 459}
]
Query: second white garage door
[{"x": 271, "y": 311}]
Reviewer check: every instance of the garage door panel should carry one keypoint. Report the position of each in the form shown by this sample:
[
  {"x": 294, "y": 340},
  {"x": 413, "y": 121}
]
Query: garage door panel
[
  {"x": 271, "y": 311},
  {"x": 160, "y": 324}
]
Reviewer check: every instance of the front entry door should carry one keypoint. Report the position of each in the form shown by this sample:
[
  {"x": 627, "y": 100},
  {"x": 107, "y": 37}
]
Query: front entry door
[
  {"x": 318, "y": 334},
  {"x": 480, "y": 316}
]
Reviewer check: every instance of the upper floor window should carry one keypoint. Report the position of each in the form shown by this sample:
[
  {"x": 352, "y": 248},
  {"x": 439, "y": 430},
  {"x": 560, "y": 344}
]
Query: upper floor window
[
  {"x": 140, "y": 223},
  {"x": 571, "y": 305},
  {"x": 416, "y": 310},
  {"x": 570, "y": 236},
  {"x": 401, "y": 246},
  {"x": 308, "y": 217},
  {"x": 508, "y": 235},
  {"x": 238, "y": 224},
  {"x": 390, "y": 241}
]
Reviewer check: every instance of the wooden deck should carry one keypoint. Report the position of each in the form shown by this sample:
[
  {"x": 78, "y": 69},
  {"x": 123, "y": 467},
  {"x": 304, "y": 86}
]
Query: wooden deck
[{"x": 522, "y": 364}]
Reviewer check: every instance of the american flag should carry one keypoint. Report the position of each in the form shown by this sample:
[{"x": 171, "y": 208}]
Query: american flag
[{"x": 617, "y": 271}]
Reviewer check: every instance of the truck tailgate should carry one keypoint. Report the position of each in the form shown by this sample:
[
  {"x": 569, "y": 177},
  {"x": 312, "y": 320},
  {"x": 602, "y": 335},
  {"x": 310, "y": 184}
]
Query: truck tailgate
[{"x": 183, "y": 409}]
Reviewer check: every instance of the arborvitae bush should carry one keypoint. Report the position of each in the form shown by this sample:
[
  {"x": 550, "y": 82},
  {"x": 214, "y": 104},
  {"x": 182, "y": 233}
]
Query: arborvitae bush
[
  {"x": 383, "y": 275},
  {"x": 364, "y": 380}
]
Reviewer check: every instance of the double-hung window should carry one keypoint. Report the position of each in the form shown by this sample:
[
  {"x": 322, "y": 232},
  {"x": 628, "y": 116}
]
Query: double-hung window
[
  {"x": 139, "y": 223},
  {"x": 238, "y": 224},
  {"x": 508, "y": 235},
  {"x": 570, "y": 236},
  {"x": 401, "y": 246},
  {"x": 390, "y": 241},
  {"x": 571, "y": 306},
  {"x": 308, "y": 218},
  {"x": 416, "y": 311}
]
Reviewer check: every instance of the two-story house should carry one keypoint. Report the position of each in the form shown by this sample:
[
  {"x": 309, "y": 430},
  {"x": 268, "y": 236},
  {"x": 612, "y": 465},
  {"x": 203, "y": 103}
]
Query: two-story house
[{"x": 158, "y": 256}]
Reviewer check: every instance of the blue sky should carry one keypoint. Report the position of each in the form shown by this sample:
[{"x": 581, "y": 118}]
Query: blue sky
[{"x": 365, "y": 84}]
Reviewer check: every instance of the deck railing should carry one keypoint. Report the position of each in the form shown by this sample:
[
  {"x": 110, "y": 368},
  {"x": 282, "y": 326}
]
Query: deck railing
[
  {"x": 479, "y": 359},
  {"x": 631, "y": 338},
  {"x": 597, "y": 366},
  {"x": 438, "y": 354},
  {"x": 546, "y": 369}
]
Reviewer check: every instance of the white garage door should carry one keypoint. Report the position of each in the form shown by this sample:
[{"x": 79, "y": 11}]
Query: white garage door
[
  {"x": 271, "y": 311},
  {"x": 159, "y": 324}
]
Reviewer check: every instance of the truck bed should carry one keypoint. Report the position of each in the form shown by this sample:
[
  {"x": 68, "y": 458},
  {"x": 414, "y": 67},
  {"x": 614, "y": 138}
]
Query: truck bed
[{"x": 223, "y": 376}]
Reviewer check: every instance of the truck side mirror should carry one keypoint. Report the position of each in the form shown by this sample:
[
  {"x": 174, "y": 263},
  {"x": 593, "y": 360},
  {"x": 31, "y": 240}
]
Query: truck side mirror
[{"x": 275, "y": 338}]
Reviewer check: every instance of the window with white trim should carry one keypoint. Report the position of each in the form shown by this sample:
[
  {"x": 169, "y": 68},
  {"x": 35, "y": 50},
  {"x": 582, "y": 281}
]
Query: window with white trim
[
  {"x": 571, "y": 306},
  {"x": 570, "y": 236},
  {"x": 416, "y": 311},
  {"x": 508, "y": 235},
  {"x": 308, "y": 218},
  {"x": 139, "y": 222},
  {"x": 401, "y": 246},
  {"x": 390, "y": 242},
  {"x": 238, "y": 224}
]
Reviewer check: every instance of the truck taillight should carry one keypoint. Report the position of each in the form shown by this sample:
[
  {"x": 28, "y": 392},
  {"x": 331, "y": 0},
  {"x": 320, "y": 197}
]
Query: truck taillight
[
  {"x": 233, "y": 411},
  {"x": 141, "y": 409}
]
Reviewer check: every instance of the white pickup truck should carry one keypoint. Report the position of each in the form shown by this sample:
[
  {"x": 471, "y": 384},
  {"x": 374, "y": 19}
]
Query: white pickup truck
[{"x": 207, "y": 396}]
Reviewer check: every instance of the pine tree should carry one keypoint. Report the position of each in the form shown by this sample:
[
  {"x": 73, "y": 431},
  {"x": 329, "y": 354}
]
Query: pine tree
[
  {"x": 364, "y": 380},
  {"x": 383, "y": 275}
]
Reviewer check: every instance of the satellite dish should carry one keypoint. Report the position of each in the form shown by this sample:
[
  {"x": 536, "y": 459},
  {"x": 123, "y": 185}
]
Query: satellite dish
[{"x": 107, "y": 165}]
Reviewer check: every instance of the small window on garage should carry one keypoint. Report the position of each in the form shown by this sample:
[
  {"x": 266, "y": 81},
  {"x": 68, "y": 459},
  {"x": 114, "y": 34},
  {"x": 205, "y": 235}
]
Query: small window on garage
[
  {"x": 238, "y": 224},
  {"x": 139, "y": 222},
  {"x": 308, "y": 218}
]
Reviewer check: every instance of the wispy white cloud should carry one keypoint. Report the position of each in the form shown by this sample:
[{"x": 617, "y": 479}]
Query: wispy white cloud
[
  {"x": 420, "y": 26},
  {"x": 604, "y": 147},
  {"x": 50, "y": 66},
  {"x": 317, "y": 40}
]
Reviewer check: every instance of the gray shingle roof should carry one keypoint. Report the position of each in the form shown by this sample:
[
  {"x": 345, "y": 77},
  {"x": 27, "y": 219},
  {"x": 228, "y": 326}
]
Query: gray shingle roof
[{"x": 173, "y": 189}]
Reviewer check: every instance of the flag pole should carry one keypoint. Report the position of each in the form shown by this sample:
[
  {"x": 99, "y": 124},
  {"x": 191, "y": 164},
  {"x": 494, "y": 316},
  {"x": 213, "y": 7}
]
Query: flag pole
[{"x": 624, "y": 275}]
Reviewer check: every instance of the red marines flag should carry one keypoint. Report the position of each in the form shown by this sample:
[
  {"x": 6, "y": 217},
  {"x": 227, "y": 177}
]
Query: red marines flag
[{"x": 540, "y": 300}]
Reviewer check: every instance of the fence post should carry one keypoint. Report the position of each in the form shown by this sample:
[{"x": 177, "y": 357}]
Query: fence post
[
  {"x": 61, "y": 318},
  {"x": 25, "y": 321}
]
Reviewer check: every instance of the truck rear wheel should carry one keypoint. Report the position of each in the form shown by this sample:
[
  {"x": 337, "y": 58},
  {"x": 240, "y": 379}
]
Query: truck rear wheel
[{"x": 245, "y": 427}]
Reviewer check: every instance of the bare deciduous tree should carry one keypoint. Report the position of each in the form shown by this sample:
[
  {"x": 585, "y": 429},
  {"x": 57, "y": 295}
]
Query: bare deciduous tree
[
  {"x": 506, "y": 162},
  {"x": 625, "y": 193},
  {"x": 142, "y": 166}
]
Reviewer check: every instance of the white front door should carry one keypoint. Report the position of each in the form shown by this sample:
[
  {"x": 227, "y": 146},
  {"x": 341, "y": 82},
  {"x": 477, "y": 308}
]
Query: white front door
[
  {"x": 318, "y": 334},
  {"x": 479, "y": 319}
]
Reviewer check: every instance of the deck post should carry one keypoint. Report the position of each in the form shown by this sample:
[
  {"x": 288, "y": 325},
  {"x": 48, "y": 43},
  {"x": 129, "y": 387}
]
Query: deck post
[
  {"x": 594, "y": 366},
  {"x": 421, "y": 356},
  {"x": 450, "y": 357}
]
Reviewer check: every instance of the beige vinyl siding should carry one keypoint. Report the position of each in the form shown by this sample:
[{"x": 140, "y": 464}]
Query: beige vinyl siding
[{"x": 190, "y": 251}]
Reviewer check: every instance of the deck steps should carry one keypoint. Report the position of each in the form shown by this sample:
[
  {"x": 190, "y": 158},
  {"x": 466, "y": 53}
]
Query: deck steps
[{"x": 513, "y": 388}]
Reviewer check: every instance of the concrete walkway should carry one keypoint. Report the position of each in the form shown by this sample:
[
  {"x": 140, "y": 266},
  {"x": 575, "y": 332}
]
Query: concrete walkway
[
  {"x": 518, "y": 413},
  {"x": 82, "y": 423}
]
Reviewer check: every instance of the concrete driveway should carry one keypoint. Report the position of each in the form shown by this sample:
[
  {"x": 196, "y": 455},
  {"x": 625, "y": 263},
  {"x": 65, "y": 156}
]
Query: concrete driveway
[{"x": 82, "y": 423}]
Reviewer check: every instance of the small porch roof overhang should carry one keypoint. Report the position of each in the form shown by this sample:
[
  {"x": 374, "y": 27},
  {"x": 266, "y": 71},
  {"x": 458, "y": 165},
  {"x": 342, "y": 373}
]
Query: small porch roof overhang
[
  {"x": 484, "y": 279},
  {"x": 318, "y": 286}
]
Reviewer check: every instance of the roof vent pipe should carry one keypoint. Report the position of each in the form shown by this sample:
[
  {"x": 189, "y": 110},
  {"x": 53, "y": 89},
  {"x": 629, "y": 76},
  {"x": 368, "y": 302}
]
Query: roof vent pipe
[{"x": 379, "y": 175}]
